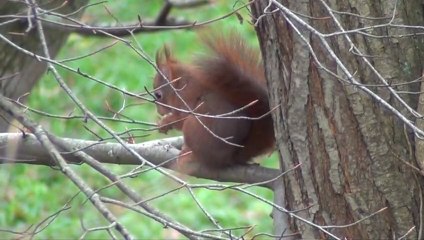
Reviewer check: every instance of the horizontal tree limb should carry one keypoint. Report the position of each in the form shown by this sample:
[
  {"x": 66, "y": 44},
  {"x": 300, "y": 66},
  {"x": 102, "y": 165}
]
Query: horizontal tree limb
[{"x": 25, "y": 148}]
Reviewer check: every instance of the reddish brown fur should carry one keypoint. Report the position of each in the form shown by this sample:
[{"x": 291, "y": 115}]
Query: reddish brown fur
[{"x": 228, "y": 78}]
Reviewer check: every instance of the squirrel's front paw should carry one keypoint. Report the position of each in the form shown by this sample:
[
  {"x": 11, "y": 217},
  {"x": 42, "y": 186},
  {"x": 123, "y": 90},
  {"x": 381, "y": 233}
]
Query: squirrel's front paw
[{"x": 164, "y": 124}]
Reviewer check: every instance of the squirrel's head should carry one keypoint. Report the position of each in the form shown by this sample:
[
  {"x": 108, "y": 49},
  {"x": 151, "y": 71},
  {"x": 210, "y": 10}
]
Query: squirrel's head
[{"x": 166, "y": 76}]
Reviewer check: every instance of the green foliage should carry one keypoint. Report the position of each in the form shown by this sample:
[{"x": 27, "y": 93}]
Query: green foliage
[{"x": 33, "y": 193}]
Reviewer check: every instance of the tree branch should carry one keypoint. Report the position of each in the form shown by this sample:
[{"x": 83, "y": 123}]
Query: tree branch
[
  {"x": 161, "y": 22},
  {"x": 25, "y": 148}
]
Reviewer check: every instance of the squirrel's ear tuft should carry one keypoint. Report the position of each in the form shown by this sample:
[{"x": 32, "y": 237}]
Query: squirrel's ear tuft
[
  {"x": 158, "y": 59},
  {"x": 165, "y": 62},
  {"x": 164, "y": 52},
  {"x": 167, "y": 52}
]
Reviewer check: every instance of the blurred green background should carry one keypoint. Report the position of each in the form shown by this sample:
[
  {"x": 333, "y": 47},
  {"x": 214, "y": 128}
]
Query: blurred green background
[{"x": 32, "y": 193}]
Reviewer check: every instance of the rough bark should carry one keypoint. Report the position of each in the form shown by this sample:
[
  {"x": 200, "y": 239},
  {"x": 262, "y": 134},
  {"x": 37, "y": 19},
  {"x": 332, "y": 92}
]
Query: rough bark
[
  {"x": 349, "y": 145},
  {"x": 19, "y": 72}
]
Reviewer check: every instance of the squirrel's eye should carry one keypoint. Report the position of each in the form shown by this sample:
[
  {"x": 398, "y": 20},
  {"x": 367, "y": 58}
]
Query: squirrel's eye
[{"x": 158, "y": 95}]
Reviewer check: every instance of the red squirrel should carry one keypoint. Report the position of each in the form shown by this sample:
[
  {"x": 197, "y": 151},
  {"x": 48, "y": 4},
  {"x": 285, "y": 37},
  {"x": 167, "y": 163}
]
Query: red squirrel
[{"x": 218, "y": 84}]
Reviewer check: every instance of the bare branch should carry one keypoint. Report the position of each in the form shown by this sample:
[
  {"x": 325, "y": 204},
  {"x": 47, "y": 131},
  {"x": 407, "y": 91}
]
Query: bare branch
[{"x": 158, "y": 152}]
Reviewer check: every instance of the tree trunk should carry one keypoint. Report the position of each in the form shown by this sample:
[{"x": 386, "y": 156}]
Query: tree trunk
[
  {"x": 18, "y": 71},
  {"x": 352, "y": 149}
]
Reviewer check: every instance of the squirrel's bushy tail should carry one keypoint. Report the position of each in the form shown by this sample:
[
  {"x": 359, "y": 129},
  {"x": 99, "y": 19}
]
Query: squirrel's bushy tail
[{"x": 234, "y": 70}]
